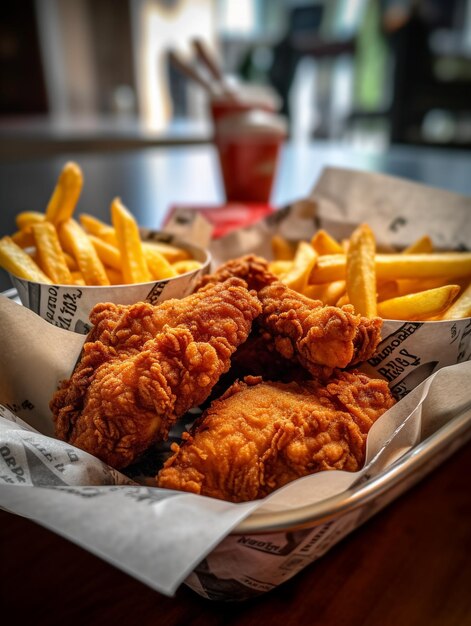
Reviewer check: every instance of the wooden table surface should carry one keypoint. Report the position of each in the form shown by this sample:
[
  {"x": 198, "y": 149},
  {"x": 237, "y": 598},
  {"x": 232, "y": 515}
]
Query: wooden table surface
[{"x": 410, "y": 564}]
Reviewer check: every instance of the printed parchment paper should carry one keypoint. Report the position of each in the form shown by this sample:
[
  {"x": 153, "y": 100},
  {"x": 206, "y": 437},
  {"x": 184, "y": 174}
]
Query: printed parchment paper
[{"x": 164, "y": 537}]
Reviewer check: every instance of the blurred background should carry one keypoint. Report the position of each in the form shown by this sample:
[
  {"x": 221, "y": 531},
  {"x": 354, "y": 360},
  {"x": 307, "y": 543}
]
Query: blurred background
[{"x": 370, "y": 72}]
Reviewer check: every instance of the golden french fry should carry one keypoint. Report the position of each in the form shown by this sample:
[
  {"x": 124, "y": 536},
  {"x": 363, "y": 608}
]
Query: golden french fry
[
  {"x": 71, "y": 262},
  {"x": 25, "y": 219},
  {"x": 323, "y": 243},
  {"x": 99, "y": 229},
  {"x": 315, "y": 292},
  {"x": 15, "y": 260},
  {"x": 64, "y": 199},
  {"x": 114, "y": 276},
  {"x": 282, "y": 249},
  {"x": 328, "y": 293},
  {"x": 23, "y": 238},
  {"x": 280, "y": 267},
  {"x": 329, "y": 267},
  {"x": 343, "y": 300},
  {"x": 188, "y": 265},
  {"x": 49, "y": 252},
  {"x": 360, "y": 271},
  {"x": 424, "y": 244},
  {"x": 107, "y": 233},
  {"x": 134, "y": 265},
  {"x": 453, "y": 265},
  {"x": 334, "y": 291},
  {"x": 76, "y": 242},
  {"x": 389, "y": 289},
  {"x": 461, "y": 307},
  {"x": 160, "y": 268},
  {"x": 304, "y": 260},
  {"x": 108, "y": 254},
  {"x": 77, "y": 278},
  {"x": 403, "y": 286},
  {"x": 167, "y": 250},
  {"x": 419, "y": 306}
]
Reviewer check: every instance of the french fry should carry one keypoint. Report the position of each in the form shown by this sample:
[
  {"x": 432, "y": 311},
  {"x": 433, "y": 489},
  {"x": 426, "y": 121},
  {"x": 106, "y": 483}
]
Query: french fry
[
  {"x": 403, "y": 286},
  {"x": 134, "y": 265},
  {"x": 114, "y": 276},
  {"x": 395, "y": 288},
  {"x": 422, "y": 245},
  {"x": 419, "y": 306},
  {"x": 280, "y": 267},
  {"x": 315, "y": 292},
  {"x": 334, "y": 291},
  {"x": 461, "y": 307},
  {"x": 15, "y": 260},
  {"x": 75, "y": 241},
  {"x": 108, "y": 254},
  {"x": 389, "y": 289},
  {"x": 188, "y": 265},
  {"x": 282, "y": 249},
  {"x": 304, "y": 260},
  {"x": 343, "y": 300},
  {"x": 323, "y": 243},
  {"x": 360, "y": 271},
  {"x": 159, "y": 267},
  {"x": 453, "y": 265},
  {"x": 71, "y": 262},
  {"x": 66, "y": 193},
  {"x": 23, "y": 238},
  {"x": 25, "y": 219},
  {"x": 329, "y": 267},
  {"x": 99, "y": 229},
  {"x": 167, "y": 250},
  {"x": 77, "y": 278},
  {"x": 328, "y": 293},
  {"x": 49, "y": 252}
]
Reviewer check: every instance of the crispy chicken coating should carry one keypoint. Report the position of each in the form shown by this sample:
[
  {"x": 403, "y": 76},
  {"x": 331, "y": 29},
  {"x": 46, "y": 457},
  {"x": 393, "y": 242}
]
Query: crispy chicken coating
[
  {"x": 260, "y": 435},
  {"x": 319, "y": 337},
  {"x": 144, "y": 366},
  {"x": 301, "y": 330},
  {"x": 251, "y": 268}
]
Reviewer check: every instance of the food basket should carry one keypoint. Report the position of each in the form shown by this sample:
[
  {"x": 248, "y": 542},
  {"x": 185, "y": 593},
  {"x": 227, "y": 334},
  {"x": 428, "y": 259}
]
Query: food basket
[{"x": 226, "y": 551}]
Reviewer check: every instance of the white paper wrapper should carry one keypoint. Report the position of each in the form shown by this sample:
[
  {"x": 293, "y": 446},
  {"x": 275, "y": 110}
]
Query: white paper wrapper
[{"x": 163, "y": 537}]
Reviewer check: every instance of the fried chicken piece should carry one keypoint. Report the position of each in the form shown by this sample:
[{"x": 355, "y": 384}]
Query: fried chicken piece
[
  {"x": 262, "y": 435},
  {"x": 205, "y": 313},
  {"x": 253, "y": 269},
  {"x": 319, "y": 337},
  {"x": 127, "y": 390},
  {"x": 302, "y": 330}
]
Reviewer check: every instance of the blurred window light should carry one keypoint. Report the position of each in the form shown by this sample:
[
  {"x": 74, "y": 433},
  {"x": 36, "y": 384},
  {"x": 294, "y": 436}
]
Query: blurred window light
[
  {"x": 157, "y": 28},
  {"x": 238, "y": 16}
]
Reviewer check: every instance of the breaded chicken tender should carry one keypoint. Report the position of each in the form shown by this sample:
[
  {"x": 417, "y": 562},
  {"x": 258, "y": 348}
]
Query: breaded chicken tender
[
  {"x": 303, "y": 331},
  {"x": 260, "y": 435},
  {"x": 319, "y": 337},
  {"x": 144, "y": 366}
]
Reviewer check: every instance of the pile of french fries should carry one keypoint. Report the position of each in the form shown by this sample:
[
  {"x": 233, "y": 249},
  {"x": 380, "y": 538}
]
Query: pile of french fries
[
  {"x": 54, "y": 248},
  {"x": 418, "y": 283}
]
